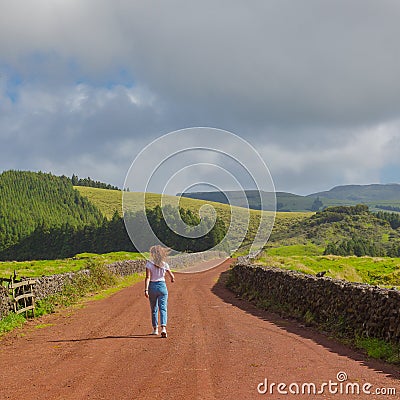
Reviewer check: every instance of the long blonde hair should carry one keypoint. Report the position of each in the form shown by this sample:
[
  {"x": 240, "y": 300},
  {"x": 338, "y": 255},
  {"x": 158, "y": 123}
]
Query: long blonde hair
[{"x": 159, "y": 254}]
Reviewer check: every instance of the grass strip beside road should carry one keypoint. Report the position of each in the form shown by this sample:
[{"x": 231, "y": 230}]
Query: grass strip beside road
[
  {"x": 382, "y": 271},
  {"x": 99, "y": 285},
  {"x": 38, "y": 268}
]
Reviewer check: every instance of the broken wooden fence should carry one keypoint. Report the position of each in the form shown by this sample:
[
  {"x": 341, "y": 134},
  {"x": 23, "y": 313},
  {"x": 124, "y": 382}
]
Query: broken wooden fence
[{"x": 22, "y": 293}]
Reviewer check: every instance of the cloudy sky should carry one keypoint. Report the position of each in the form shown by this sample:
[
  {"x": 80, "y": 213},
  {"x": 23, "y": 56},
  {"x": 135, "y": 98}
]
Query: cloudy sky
[{"x": 313, "y": 85}]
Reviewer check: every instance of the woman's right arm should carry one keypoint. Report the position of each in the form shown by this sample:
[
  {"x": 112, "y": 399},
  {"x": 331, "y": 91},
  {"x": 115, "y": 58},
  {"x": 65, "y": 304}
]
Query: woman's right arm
[{"x": 146, "y": 283}]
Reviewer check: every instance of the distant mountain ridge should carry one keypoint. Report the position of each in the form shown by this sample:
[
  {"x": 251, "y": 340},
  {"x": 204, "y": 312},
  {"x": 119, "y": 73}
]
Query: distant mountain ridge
[
  {"x": 248, "y": 198},
  {"x": 390, "y": 191},
  {"x": 376, "y": 196}
]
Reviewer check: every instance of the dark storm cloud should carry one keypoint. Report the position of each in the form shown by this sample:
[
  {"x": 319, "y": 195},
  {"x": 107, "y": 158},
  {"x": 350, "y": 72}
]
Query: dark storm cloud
[
  {"x": 312, "y": 84},
  {"x": 276, "y": 62}
]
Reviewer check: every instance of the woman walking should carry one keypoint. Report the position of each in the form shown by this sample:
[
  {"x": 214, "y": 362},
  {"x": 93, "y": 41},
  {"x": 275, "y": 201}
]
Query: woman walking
[{"x": 155, "y": 288}]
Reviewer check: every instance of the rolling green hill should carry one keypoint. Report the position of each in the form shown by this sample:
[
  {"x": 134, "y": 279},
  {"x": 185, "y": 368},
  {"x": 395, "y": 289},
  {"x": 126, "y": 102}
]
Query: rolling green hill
[
  {"x": 109, "y": 201},
  {"x": 341, "y": 225},
  {"x": 32, "y": 199},
  {"x": 43, "y": 216}
]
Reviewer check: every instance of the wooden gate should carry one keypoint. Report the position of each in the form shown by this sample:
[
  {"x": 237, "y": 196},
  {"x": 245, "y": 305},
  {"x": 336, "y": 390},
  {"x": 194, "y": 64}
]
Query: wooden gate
[{"x": 23, "y": 295}]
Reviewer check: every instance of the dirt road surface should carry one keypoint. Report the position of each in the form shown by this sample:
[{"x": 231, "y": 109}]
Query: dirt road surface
[{"x": 219, "y": 347}]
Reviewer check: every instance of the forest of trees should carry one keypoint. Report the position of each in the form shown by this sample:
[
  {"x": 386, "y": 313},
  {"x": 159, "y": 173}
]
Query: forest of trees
[
  {"x": 356, "y": 246},
  {"x": 359, "y": 247},
  {"x": 388, "y": 208},
  {"x": 47, "y": 242},
  {"x": 43, "y": 217},
  {"x": 317, "y": 204},
  {"x": 76, "y": 181},
  {"x": 64, "y": 241},
  {"x": 392, "y": 218},
  {"x": 162, "y": 220},
  {"x": 29, "y": 200}
]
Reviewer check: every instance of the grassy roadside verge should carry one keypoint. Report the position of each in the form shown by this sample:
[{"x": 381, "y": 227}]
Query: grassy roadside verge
[
  {"x": 381, "y": 271},
  {"x": 379, "y": 349},
  {"x": 100, "y": 284},
  {"x": 37, "y": 268}
]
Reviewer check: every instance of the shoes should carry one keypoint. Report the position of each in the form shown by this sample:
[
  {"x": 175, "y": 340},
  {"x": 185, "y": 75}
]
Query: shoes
[
  {"x": 155, "y": 332},
  {"x": 163, "y": 332}
]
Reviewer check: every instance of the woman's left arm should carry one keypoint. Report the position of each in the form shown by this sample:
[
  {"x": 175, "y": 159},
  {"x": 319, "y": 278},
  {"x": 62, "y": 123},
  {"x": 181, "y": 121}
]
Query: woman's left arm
[{"x": 171, "y": 275}]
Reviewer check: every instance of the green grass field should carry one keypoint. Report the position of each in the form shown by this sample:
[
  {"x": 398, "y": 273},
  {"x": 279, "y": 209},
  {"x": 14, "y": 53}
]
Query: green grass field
[
  {"x": 308, "y": 259},
  {"x": 109, "y": 201},
  {"x": 51, "y": 267},
  {"x": 308, "y": 249}
]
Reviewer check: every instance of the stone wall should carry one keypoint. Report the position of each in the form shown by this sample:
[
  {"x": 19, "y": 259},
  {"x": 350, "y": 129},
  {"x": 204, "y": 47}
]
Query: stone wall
[
  {"x": 52, "y": 284},
  {"x": 48, "y": 285},
  {"x": 127, "y": 267},
  {"x": 341, "y": 307},
  {"x": 5, "y": 302}
]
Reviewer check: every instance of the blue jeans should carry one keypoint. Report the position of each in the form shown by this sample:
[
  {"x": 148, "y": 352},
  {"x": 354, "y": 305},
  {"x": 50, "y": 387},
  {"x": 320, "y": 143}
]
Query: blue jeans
[{"x": 158, "y": 296}]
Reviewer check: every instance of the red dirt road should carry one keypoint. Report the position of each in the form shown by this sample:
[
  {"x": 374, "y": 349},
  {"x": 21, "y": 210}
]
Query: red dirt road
[{"x": 219, "y": 347}]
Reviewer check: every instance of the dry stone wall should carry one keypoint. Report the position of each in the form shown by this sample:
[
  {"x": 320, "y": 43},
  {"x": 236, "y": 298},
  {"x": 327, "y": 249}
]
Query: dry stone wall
[
  {"x": 48, "y": 285},
  {"x": 127, "y": 267},
  {"x": 5, "y": 302},
  {"x": 338, "y": 306}
]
